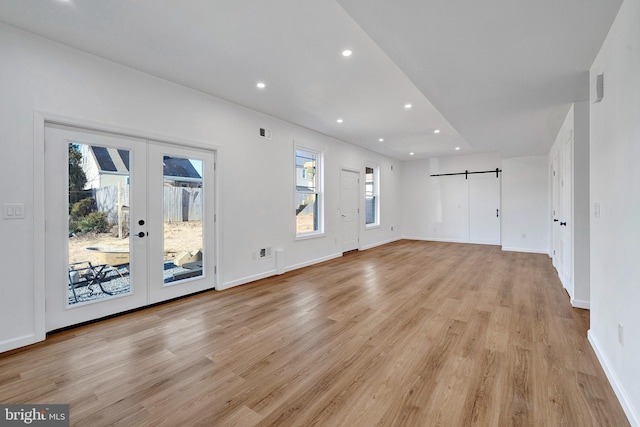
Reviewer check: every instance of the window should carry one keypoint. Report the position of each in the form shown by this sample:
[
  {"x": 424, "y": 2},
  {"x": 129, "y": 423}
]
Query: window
[
  {"x": 308, "y": 192},
  {"x": 371, "y": 200}
]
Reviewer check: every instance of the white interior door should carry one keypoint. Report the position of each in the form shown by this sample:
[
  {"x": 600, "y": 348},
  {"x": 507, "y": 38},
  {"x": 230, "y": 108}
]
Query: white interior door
[
  {"x": 138, "y": 228},
  {"x": 484, "y": 209},
  {"x": 349, "y": 209}
]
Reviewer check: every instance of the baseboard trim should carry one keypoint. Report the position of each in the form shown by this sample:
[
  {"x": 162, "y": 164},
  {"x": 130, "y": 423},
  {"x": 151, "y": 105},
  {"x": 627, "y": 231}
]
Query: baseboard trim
[
  {"x": 312, "y": 262},
  {"x": 526, "y": 250},
  {"x": 373, "y": 245},
  {"x": 18, "y": 342},
  {"x": 627, "y": 407},
  {"x": 435, "y": 239},
  {"x": 270, "y": 273},
  {"x": 581, "y": 304},
  {"x": 247, "y": 279}
]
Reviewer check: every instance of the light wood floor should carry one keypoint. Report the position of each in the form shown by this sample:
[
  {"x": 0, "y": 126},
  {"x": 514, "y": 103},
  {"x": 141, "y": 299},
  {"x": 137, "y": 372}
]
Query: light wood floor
[{"x": 407, "y": 334}]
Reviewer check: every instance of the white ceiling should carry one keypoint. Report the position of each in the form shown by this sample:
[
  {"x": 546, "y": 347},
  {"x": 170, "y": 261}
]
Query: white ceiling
[{"x": 495, "y": 75}]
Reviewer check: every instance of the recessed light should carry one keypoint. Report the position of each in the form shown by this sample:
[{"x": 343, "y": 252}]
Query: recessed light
[
  {"x": 436, "y": 131},
  {"x": 339, "y": 120},
  {"x": 457, "y": 148},
  {"x": 411, "y": 153},
  {"x": 346, "y": 52},
  {"x": 407, "y": 106},
  {"x": 381, "y": 140},
  {"x": 261, "y": 85}
]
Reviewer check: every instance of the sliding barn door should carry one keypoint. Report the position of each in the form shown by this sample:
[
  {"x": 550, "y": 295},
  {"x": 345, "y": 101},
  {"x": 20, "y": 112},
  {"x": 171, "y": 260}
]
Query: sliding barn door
[
  {"x": 484, "y": 209},
  {"x": 465, "y": 208}
]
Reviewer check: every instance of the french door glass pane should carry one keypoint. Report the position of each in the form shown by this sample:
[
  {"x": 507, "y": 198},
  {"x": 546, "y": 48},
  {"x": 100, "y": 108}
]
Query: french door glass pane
[
  {"x": 99, "y": 244},
  {"x": 183, "y": 213}
]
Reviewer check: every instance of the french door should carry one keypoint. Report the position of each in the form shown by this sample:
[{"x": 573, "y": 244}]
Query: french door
[{"x": 129, "y": 222}]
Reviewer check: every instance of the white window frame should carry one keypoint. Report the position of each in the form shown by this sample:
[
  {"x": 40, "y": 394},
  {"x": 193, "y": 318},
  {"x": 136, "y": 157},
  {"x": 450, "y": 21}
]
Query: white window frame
[
  {"x": 376, "y": 194},
  {"x": 319, "y": 191}
]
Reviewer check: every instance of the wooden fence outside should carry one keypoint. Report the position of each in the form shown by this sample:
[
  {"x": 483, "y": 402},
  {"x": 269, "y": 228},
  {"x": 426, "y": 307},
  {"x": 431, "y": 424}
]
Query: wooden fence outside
[{"x": 180, "y": 204}]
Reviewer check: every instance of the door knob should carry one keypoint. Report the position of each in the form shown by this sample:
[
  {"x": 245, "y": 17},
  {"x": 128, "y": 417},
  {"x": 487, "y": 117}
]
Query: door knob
[
  {"x": 563, "y": 223},
  {"x": 141, "y": 234}
]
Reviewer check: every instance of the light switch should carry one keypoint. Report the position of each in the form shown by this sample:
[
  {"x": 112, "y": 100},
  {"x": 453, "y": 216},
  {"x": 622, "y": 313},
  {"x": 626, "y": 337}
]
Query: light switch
[{"x": 13, "y": 211}]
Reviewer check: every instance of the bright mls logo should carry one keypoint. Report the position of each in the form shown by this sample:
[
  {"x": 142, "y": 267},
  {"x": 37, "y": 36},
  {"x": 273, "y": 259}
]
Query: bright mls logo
[{"x": 36, "y": 415}]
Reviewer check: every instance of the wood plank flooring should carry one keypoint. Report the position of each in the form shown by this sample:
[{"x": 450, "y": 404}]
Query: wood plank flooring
[{"x": 406, "y": 334}]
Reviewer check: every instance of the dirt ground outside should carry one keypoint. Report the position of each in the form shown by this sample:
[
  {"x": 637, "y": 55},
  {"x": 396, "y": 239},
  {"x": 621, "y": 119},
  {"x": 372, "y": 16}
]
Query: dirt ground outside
[
  {"x": 178, "y": 237},
  {"x": 304, "y": 223}
]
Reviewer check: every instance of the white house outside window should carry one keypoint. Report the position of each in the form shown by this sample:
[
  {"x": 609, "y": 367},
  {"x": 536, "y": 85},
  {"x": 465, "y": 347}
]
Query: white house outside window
[
  {"x": 371, "y": 199},
  {"x": 308, "y": 192}
]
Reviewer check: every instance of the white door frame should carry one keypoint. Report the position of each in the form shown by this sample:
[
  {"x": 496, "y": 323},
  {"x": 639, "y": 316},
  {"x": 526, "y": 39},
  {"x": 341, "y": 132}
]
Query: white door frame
[
  {"x": 555, "y": 209},
  {"x": 567, "y": 214},
  {"x": 39, "y": 215}
]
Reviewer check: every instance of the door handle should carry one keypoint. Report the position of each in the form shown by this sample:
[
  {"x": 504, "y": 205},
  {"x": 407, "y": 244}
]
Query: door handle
[
  {"x": 497, "y": 213},
  {"x": 555, "y": 220},
  {"x": 141, "y": 234},
  {"x": 563, "y": 223}
]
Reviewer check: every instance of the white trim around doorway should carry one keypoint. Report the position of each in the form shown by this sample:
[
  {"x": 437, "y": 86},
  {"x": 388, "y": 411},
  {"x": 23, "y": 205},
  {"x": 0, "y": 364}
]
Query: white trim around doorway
[{"x": 40, "y": 118}]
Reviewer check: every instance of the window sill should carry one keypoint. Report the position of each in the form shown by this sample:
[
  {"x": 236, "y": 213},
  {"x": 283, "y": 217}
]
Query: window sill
[
  {"x": 371, "y": 226},
  {"x": 308, "y": 236}
]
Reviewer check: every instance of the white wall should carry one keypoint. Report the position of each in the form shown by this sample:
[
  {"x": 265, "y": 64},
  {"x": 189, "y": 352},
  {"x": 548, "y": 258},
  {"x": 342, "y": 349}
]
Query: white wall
[
  {"x": 615, "y": 186},
  {"x": 581, "y": 210},
  {"x": 39, "y": 75},
  {"x": 525, "y": 204}
]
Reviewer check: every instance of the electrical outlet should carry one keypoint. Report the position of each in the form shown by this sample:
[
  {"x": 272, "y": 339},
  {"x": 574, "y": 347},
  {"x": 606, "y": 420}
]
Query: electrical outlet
[{"x": 620, "y": 334}]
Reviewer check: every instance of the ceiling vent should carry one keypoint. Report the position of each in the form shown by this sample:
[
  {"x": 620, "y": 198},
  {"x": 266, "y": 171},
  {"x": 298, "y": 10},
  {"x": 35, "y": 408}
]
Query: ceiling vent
[{"x": 265, "y": 133}]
